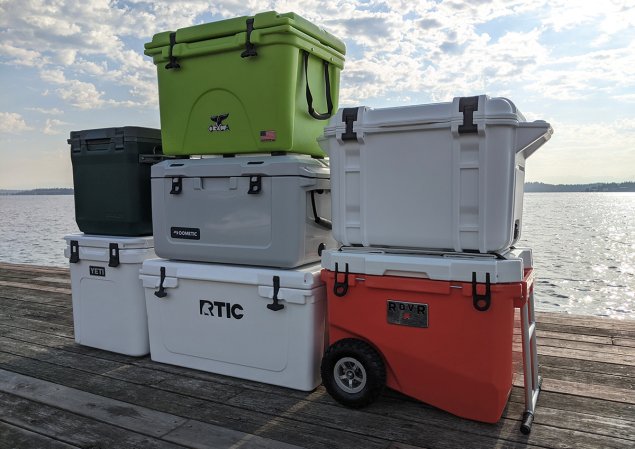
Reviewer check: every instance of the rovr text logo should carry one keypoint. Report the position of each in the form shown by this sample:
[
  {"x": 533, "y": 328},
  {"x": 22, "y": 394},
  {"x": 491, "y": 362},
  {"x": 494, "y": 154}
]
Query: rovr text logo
[{"x": 220, "y": 309}]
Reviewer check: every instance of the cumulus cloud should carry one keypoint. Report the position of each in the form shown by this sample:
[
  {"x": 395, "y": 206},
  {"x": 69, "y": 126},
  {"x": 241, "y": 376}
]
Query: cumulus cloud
[
  {"x": 52, "y": 126},
  {"x": 12, "y": 123}
]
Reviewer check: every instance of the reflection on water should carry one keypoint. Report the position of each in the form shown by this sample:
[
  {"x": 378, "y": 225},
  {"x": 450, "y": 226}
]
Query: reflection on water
[
  {"x": 584, "y": 245},
  {"x": 584, "y": 251}
]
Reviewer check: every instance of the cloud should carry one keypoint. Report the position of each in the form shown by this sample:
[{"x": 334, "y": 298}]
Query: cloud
[
  {"x": 12, "y": 123},
  {"x": 49, "y": 111},
  {"x": 51, "y": 125}
]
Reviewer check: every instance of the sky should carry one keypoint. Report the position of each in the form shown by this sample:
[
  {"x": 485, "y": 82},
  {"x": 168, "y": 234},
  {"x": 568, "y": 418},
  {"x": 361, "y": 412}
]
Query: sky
[{"x": 71, "y": 65}]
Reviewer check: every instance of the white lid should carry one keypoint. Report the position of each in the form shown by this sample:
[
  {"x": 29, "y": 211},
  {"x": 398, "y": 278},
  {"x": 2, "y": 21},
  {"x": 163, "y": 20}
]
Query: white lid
[
  {"x": 443, "y": 267},
  {"x": 305, "y": 278},
  {"x": 104, "y": 241},
  {"x": 263, "y": 165}
]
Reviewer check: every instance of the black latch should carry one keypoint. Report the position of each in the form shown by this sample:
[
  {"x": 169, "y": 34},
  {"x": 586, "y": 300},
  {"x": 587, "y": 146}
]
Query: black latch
[
  {"x": 173, "y": 64},
  {"x": 516, "y": 230},
  {"x": 161, "y": 293},
  {"x": 113, "y": 258},
  {"x": 321, "y": 248},
  {"x": 275, "y": 305},
  {"x": 250, "y": 49},
  {"x": 467, "y": 105},
  {"x": 255, "y": 185},
  {"x": 349, "y": 116},
  {"x": 481, "y": 302},
  {"x": 340, "y": 288},
  {"x": 177, "y": 186},
  {"x": 74, "y": 258}
]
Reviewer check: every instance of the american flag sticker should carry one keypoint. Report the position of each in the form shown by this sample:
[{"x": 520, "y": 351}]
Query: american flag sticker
[{"x": 267, "y": 136}]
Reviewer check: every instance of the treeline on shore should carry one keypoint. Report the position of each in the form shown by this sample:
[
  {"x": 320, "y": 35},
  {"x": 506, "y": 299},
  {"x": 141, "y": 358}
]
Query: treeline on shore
[
  {"x": 595, "y": 187},
  {"x": 51, "y": 191}
]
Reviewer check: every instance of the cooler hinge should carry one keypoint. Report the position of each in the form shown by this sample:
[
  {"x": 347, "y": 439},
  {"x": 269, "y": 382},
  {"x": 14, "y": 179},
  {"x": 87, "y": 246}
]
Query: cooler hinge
[
  {"x": 177, "y": 186},
  {"x": 255, "y": 185},
  {"x": 275, "y": 305},
  {"x": 250, "y": 48},
  {"x": 173, "y": 64},
  {"x": 113, "y": 257},
  {"x": 74, "y": 258},
  {"x": 340, "y": 288},
  {"x": 467, "y": 105},
  {"x": 481, "y": 302},
  {"x": 349, "y": 116}
]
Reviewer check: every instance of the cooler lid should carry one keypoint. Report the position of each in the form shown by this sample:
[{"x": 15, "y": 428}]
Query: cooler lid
[
  {"x": 304, "y": 278},
  {"x": 237, "y": 25},
  {"x": 127, "y": 133},
  {"x": 104, "y": 241},
  {"x": 462, "y": 111},
  {"x": 442, "y": 267},
  {"x": 218, "y": 166}
]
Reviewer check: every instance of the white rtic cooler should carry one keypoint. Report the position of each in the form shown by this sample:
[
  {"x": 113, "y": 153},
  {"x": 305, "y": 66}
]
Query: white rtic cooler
[
  {"x": 255, "y": 323},
  {"x": 251, "y": 210},
  {"x": 442, "y": 176},
  {"x": 109, "y": 310}
]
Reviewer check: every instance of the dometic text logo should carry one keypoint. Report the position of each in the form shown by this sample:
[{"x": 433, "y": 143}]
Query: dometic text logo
[
  {"x": 185, "y": 233},
  {"x": 96, "y": 271},
  {"x": 218, "y": 123},
  {"x": 220, "y": 309}
]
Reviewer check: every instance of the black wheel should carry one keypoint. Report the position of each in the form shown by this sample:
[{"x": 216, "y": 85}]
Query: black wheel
[{"x": 353, "y": 373}]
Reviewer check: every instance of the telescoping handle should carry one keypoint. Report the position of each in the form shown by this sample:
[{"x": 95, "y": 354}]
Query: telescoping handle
[{"x": 309, "y": 97}]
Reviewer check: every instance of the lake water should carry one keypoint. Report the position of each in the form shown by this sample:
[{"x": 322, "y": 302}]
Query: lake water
[{"x": 584, "y": 245}]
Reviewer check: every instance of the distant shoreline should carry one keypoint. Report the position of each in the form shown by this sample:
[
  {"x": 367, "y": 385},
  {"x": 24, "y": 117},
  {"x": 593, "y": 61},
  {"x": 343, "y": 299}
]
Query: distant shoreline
[{"x": 530, "y": 187}]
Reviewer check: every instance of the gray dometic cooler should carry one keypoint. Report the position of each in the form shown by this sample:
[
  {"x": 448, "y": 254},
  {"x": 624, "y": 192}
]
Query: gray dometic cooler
[{"x": 251, "y": 210}]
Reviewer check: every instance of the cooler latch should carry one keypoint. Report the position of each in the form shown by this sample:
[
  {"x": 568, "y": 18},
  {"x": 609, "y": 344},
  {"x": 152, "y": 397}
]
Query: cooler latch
[
  {"x": 74, "y": 257},
  {"x": 177, "y": 186},
  {"x": 250, "y": 48},
  {"x": 340, "y": 288},
  {"x": 255, "y": 185},
  {"x": 467, "y": 105},
  {"x": 349, "y": 116},
  {"x": 275, "y": 305},
  {"x": 481, "y": 302},
  {"x": 161, "y": 293},
  {"x": 173, "y": 64},
  {"x": 113, "y": 255}
]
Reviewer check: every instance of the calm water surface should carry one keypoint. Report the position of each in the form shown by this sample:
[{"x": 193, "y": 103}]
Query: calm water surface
[{"x": 584, "y": 245}]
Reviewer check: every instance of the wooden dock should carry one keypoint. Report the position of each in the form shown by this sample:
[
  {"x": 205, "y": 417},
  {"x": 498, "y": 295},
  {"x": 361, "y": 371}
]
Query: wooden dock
[{"x": 57, "y": 394}]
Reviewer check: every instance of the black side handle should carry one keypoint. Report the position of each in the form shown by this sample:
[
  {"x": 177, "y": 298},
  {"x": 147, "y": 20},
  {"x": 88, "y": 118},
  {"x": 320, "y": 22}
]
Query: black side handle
[
  {"x": 309, "y": 97},
  {"x": 161, "y": 293},
  {"x": 275, "y": 305},
  {"x": 326, "y": 224}
]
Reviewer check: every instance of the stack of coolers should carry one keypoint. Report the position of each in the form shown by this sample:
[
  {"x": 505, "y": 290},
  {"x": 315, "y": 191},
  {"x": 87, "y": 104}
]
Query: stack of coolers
[
  {"x": 239, "y": 226},
  {"x": 427, "y": 203},
  {"x": 111, "y": 174}
]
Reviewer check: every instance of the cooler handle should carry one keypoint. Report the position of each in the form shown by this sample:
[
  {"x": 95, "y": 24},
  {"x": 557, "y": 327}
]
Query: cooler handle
[
  {"x": 309, "y": 97},
  {"x": 326, "y": 224}
]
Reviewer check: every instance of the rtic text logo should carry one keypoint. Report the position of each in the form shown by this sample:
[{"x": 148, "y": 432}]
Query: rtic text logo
[
  {"x": 97, "y": 271},
  {"x": 185, "y": 233},
  {"x": 218, "y": 123},
  {"x": 220, "y": 309}
]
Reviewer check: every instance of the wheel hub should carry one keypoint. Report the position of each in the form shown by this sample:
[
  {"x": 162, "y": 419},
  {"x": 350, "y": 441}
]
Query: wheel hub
[{"x": 350, "y": 375}]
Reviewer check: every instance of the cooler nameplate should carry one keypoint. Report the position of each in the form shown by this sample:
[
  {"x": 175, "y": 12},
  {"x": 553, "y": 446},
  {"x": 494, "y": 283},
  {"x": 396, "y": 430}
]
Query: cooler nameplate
[{"x": 407, "y": 313}]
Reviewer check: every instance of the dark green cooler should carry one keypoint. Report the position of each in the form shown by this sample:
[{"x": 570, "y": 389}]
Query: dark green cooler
[
  {"x": 111, "y": 176},
  {"x": 253, "y": 84}
]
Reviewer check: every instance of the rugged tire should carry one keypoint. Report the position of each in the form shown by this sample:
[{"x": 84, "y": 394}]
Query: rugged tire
[{"x": 353, "y": 373}]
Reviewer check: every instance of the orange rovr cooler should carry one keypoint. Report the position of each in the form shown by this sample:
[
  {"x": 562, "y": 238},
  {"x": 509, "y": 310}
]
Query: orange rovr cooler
[{"x": 437, "y": 328}]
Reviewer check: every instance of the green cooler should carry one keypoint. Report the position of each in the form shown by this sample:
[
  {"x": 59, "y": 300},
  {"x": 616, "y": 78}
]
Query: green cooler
[{"x": 261, "y": 84}]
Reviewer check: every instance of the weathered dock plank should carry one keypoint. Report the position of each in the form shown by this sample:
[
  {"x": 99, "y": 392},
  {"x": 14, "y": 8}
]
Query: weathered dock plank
[{"x": 55, "y": 393}]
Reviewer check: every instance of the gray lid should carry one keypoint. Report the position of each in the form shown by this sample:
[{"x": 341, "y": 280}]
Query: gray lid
[{"x": 266, "y": 165}]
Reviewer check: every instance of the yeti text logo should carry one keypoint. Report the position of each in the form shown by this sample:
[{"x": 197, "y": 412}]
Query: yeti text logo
[
  {"x": 96, "y": 271},
  {"x": 218, "y": 123},
  {"x": 220, "y": 309}
]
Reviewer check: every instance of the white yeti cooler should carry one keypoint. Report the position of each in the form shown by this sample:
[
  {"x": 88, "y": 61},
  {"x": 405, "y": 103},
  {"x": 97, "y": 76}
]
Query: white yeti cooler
[
  {"x": 441, "y": 176},
  {"x": 254, "y": 323},
  {"x": 251, "y": 210},
  {"x": 109, "y": 310},
  {"x": 508, "y": 267}
]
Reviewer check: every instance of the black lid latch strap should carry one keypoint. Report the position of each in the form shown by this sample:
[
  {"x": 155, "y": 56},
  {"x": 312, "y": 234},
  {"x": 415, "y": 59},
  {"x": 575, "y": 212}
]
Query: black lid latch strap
[
  {"x": 173, "y": 64},
  {"x": 275, "y": 305}
]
